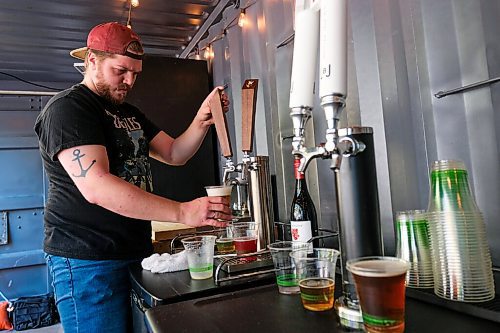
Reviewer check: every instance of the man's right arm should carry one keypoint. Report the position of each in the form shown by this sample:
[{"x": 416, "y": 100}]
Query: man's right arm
[{"x": 88, "y": 167}]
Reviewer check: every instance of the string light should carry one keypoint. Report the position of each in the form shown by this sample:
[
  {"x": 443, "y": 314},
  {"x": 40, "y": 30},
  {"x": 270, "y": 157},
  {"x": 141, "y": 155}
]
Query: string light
[
  {"x": 209, "y": 52},
  {"x": 132, "y": 3},
  {"x": 243, "y": 18},
  {"x": 197, "y": 53},
  {"x": 240, "y": 20}
]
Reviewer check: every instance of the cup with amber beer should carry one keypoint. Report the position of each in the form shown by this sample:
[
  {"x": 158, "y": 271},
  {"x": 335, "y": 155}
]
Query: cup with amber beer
[
  {"x": 315, "y": 272},
  {"x": 380, "y": 285}
]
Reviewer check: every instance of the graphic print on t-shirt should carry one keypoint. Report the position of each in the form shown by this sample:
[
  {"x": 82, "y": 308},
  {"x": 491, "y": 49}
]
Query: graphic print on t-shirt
[{"x": 133, "y": 150}]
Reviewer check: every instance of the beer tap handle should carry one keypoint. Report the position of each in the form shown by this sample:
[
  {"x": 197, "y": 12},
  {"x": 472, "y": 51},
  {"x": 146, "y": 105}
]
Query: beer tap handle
[
  {"x": 221, "y": 125},
  {"x": 248, "y": 106}
]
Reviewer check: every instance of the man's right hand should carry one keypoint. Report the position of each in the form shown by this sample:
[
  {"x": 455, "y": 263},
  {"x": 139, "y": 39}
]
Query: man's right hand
[{"x": 214, "y": 211}]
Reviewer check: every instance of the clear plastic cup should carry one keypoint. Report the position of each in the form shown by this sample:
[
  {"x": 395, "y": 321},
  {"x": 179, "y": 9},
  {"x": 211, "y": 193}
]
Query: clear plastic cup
[
  {"x": 224, "y": 243},
  {"x": 219, "y": 191},
  {"x": 380, "y": 285},
  {"x": 200, "y": 256},
  {"x": 316, "y": 276},
  {"x": 245, "y": 237},
  {"x": 462, "y": 261},
  {"x": 450, "y": 189},
  {"x": 286, "y": 278},
  {"x": 413, "y": 245}
]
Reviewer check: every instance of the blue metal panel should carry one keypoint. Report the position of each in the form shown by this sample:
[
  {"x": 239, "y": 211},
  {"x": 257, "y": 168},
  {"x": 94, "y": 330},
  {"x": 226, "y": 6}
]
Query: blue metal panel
[
  {"x": 22, "y": 266},
  {"x": 24, "y": 281},
  {"x": 21, "y": 179},
  {"x": 23, "y": 271}
]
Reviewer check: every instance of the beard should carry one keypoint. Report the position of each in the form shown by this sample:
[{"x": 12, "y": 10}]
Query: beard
[{"x": 115, "y": 95}]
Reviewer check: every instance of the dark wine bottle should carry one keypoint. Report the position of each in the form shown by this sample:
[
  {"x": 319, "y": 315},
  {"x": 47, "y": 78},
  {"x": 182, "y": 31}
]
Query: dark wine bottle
[{"x": 303, "y": 220}]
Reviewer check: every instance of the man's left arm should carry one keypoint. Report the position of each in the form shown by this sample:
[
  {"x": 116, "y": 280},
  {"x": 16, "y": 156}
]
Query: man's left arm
[{"x": 179, "y": 150}]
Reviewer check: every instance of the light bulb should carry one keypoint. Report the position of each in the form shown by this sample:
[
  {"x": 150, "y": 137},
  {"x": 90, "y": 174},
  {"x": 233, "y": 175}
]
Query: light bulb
[
  {"x": 134, "y": 3},
  {"x": 242, "y": 19},
  {"x": 207, "y": 52},
  {"x": 129, "y": 26}
]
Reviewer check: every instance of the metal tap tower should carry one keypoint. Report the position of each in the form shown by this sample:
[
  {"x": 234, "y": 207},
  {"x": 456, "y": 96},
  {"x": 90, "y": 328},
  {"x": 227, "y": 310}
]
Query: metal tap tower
[
  {"x": 251, "y": 178},
  {"x": 323, "y": 23}
]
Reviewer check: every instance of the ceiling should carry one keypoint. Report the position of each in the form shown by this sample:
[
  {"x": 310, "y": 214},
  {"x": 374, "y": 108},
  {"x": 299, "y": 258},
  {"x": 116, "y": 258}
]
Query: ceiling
[{"x": 37, "y": 35}]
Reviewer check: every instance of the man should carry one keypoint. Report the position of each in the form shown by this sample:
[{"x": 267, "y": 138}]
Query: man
[{"x": 95, "y": 151}]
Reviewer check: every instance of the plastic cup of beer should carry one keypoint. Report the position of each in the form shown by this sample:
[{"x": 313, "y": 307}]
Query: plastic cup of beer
[
  {"x": 245, "y": 235},
  {"x": 286, "y": 278},
  {"x": 316, "y": 277},
  {"x": 380, "y": 285},
  {"x": 225, "y": 245},
  {"x": 224, "y": 242},
  {"x": 219, "y": 191},
  {"x": 200, "y": 256}
]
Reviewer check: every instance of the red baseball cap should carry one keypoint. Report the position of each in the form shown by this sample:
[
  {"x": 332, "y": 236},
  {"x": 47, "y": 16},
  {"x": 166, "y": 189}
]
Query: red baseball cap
[{"x": 111, "y": 37}]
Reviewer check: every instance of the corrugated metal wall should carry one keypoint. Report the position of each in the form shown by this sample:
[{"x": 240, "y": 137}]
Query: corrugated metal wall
[
  {"x": 22, "y": 192},
  {"x": 400, "y": 54}
]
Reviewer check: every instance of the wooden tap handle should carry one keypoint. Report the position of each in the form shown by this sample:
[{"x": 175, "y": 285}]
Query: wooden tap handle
[
  {"x": 221, "y": 125},
  {"x": 248, "y": 106}
]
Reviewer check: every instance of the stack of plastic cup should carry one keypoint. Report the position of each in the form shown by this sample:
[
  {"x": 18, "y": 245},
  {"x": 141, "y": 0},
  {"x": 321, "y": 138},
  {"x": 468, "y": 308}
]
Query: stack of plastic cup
[
  {"x": 413, "y": 245},
  {"x": 462, "y": 261}
]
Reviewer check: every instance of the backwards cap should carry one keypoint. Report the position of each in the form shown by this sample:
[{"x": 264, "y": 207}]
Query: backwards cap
[{"x": 111, "y": 37}]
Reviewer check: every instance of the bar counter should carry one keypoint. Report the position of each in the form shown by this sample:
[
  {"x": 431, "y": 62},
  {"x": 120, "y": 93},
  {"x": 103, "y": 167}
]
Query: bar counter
[
  {"x": 172, "y": 302},
  {"x": 263, "y": 309}
]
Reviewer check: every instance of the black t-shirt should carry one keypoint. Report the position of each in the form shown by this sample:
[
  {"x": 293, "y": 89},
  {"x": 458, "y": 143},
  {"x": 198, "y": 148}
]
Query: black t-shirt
[{"x": 74, "y": 227}]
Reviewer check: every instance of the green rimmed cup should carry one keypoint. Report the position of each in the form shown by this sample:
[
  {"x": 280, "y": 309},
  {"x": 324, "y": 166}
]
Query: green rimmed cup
[
  {"x": 380, "y": 285},
  {"x": 286, "y": 278},
  {"x": 315, "y": 271}
]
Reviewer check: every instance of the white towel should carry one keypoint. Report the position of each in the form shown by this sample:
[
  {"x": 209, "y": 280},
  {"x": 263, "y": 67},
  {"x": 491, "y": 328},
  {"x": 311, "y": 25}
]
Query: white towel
[{"x": 166, "y": 262}]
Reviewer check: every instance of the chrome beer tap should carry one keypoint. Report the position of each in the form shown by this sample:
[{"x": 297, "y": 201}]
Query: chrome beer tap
[
  {"x": 237, "y": 176},
  {"x": 323, "y": 23},
  {"x": 228, "y": 168}
]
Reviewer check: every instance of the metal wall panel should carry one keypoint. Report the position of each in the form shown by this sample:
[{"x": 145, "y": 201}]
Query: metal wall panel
[
  {"x": 23, "y": 271},
  {"x": 400, "y": 54}
]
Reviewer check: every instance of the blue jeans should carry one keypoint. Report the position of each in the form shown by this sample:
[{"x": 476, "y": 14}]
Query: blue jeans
[{"x": 91, "y": 295}]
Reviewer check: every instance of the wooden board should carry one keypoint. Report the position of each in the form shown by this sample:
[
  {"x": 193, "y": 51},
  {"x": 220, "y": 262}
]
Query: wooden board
[
  {"x": 221, "y": 125},
  {"x": 248, "y": 106},
  {"x": 168, "y": 230}
]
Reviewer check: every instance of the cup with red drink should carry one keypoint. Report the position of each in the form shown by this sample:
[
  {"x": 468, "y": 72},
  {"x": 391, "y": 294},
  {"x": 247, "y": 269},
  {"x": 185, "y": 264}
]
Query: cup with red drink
[{"x": 245, "y": 235}]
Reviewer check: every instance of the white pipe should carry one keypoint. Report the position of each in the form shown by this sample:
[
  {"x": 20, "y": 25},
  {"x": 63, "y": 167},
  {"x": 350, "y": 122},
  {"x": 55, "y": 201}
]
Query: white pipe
[
  {"x": 305, "y": 50},
  {"x": 333, "y": 48}
]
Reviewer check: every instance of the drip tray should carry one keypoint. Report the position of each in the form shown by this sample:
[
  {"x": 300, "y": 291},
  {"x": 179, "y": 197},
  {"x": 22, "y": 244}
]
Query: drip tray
[{"x": 247, "y": 262}]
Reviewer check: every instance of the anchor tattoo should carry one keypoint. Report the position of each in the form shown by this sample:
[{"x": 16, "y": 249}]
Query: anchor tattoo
[{"x": 78, "y": 156}]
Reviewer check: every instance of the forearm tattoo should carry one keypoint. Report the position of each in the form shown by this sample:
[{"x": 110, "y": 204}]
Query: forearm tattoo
[{"x": 78, "y": 156}]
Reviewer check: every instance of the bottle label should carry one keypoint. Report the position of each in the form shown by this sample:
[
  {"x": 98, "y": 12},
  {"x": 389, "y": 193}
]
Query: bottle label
[
  {"x": 301, "y": 231},
  {"x": 298, "y": 175}
]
